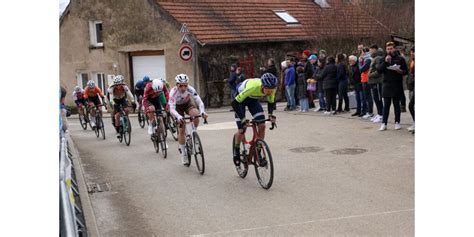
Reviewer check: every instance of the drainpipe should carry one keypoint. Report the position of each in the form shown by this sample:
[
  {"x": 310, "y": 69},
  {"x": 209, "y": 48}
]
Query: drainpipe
[{"x": 195, "y": 67}]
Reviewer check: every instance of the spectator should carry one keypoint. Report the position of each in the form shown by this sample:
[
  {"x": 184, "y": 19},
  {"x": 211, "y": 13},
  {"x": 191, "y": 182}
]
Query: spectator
[
  {"x": 355, "y": 81},
  {"x": 64, "y": 124},
  {"x": 364, "y": 65},
  {"x": 284, "y": 66},
  {"x": 375, "y": 81},
  {"x": 290, "y": 84},
  {"x": 240, "y": 76},
  {"x": 309, "y": 71},
  {"x": 360, "y": 50},
  {"x": 232, "y": 81},
  {"x": 319, "y": 84},
  {"x": 330, "y": 84},
  {"x": 393, "y": 69},
  {"x": 411, "y": 88},
  {"x": 403, "y": 99},
  {"x": 271, "y": 68},
  {"x": 342, "y": 83},
  {"x": 322, "y": 53},
  {"x": 302, "y": 86}
]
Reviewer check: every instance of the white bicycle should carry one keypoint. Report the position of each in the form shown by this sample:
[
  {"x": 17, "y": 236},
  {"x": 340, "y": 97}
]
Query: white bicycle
[{"x": 193, "y": 144}]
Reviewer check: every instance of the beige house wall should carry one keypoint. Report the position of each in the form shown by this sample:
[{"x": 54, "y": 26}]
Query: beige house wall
[{"x": 128, "y": 26}]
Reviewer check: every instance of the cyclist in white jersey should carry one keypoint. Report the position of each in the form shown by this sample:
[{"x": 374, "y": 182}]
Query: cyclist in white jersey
[{"x": 183, "y": 99}]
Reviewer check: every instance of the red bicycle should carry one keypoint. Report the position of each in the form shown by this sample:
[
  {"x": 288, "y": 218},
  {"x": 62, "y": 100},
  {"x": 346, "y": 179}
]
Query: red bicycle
[{"x": 252, "y": 152}]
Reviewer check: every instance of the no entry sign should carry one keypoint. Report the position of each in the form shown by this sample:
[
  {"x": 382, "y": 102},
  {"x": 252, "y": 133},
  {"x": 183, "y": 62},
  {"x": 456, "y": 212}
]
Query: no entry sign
[{"x": 185, "y": 53}]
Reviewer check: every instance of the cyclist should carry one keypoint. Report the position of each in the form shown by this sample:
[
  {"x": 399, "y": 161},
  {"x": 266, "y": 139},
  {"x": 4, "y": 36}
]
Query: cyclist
[
  {"x": 118, "y": 92},
  {"x": 180, "y": 102},
  {"x": 249, "y": 93},
  {"x": 153, "y": 100},
  {"x": 94, "y": 96},
  {"x": 166, "y": 89},
  {"x": 140, "y": 89},
  {"x": 78, "y": 97}
]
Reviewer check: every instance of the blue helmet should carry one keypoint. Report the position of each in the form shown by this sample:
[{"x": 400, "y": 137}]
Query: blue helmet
[
  {"x": 146, "y": 79},
  {"x": 269, "y": 80}
]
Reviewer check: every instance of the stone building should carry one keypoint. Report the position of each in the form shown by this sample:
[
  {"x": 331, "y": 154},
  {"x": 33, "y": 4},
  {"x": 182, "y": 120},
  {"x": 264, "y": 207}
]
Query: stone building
[{"x": 100, "y": 38}]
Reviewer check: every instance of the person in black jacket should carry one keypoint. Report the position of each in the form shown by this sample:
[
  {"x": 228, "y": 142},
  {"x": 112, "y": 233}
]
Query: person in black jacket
[
  {"x": 393, "y": 69},
  {"x": 355, "y": 79},
  {"x": 330, "y": 84},
  {"x": 319, "y": 84},
  {"x": 342, "y": 83},
  {"x": 271, "y": 68}
]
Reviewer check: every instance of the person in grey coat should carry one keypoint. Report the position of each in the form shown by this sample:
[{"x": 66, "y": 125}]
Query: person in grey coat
[{"x": 375, "y": 81}]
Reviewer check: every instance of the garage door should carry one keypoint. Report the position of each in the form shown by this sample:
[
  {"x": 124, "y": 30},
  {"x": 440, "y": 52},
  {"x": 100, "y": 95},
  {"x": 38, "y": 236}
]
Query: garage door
[{"x": 152, "y": 66}]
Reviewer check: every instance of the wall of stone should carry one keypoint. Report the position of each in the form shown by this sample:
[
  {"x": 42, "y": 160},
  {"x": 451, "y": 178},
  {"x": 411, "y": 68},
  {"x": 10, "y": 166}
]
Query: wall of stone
[{"x": 128, "y": 26}]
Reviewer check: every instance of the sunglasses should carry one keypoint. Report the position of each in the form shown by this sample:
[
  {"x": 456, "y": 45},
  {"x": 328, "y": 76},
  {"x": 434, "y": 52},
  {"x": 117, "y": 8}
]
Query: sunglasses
[
  {"x": 183, "y": 85},
  {"x": 390, "y": 43}
]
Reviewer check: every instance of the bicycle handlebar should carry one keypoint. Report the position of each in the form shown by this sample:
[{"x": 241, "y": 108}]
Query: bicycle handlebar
[
  {"x": 256, "y": 122},
  {"x": 191, "y": 118}
]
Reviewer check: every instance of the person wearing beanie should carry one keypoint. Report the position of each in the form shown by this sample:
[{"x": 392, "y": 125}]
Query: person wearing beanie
[{"x": 309, "y": 71}]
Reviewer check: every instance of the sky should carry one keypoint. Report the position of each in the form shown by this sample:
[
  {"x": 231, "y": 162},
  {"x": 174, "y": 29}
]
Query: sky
[{"x": 62, "y": 5}]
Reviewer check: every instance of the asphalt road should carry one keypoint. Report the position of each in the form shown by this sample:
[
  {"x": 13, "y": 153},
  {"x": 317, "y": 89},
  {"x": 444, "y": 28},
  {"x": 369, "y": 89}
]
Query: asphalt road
[{"x": 319, "y": 188}]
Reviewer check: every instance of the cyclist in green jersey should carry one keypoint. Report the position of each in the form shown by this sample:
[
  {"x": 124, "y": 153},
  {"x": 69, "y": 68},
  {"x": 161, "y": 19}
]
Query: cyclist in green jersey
[{"x": 249, "y": 93}]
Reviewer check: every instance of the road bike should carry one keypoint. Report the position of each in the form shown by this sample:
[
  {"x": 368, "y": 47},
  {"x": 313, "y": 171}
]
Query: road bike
[
  {"x": 99, "y": 123},
  {"x": 125, "y": 128},
  {"x": 193, "y": 144},
  {"x": 171, "y": 126},
  {"x": 84, "y": 116},
  {"x": 254, "y": 151},
  {"x": 158, "y": 137}
]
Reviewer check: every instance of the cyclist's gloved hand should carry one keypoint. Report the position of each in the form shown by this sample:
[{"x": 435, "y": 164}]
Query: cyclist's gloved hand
[
  {"x": 245, "y": 121},
  {"x": 272, "y": 118},
  {"x": 134, "y": 105},
  {"x": 204, "y": 115},
  {"x": 180, "y": 120}
]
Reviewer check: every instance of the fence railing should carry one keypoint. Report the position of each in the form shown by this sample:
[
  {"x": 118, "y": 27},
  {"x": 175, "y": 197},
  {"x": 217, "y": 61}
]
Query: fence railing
[{"x": 72, "y": 221}]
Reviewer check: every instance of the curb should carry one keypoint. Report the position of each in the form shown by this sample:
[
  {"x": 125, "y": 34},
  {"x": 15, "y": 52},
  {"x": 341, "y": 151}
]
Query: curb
[{"x": 89, "y": 216}]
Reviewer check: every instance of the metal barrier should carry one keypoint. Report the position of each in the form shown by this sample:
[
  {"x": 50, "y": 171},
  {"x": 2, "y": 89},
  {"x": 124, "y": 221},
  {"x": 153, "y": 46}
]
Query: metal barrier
[{"x": 71, "y": 217}]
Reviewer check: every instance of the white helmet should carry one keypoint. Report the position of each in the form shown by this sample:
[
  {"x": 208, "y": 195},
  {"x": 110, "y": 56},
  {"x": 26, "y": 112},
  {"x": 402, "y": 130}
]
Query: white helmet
[
  {"x": 157, "y": 85},
  {"x": 77, "y": 89},
  {"x": 118, "y": 79},
  {"x": 182, "y": 78},
  {"x": 91, "y": 84}
]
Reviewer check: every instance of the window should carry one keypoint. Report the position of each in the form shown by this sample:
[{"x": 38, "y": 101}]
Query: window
[
  {"x": 284, "y": 15},
  {"x": 82, "y": 79},
  {"x": 95, "y": 29},
  {"x": 322, "y": 3},
  {"x": 100, "y": 79}
]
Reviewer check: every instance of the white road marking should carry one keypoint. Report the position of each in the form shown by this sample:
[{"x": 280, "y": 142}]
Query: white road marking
[
  {"x": 218, "y": 126},
  {"x": 308, "y": 222}
]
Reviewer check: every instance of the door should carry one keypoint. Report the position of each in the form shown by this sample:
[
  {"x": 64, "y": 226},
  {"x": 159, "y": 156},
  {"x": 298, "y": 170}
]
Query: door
[{"x": 153, "y": 66}]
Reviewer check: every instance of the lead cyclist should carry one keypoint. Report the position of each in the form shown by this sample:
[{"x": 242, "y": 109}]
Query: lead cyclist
[{"x": 249, "y": 93}]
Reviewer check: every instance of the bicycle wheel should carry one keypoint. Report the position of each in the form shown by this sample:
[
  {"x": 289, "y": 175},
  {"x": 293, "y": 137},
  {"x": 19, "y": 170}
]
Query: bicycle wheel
[
  {"x": 173, "y": 128},
  {"x": 265, "y": 173},
  {"x": 141, "y": 119},
  {"x": 242, "y": 170},
  {"x": 121, "y": 128},
  {"x": 188, "y": 149},
  {"x": 156, "y": 144},
  {"x": 88, "y": 118},
  {"x": 127, "y": 130},
  {"x": 96, "y": 130},
  {"x": 101, "y": 126},
  {"x": 83, "y": 121},
  {"x": 164, "y": 150},
  {"x": 199, "y": 154}
]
